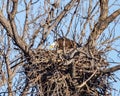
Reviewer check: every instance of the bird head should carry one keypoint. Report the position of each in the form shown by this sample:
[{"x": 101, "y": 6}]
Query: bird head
[{"x": 53, "y": 45}]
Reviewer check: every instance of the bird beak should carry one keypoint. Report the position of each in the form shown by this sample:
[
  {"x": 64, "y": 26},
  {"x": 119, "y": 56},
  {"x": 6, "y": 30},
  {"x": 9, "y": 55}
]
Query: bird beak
[{"x": 51, "y": 47}]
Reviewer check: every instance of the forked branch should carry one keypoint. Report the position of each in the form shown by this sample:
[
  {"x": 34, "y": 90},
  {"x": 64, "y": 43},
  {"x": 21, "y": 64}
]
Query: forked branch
[{"x": 102, "y": 23}]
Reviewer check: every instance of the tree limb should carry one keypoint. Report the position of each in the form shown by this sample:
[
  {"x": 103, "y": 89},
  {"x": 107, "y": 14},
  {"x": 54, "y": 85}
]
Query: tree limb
[
  {"x": 103, "y": 9},
  {"x": 58, "y": 19},
  {"x": 112, "y": 69},
  {"x": 11, "y": 29},
  {"x": 102, "y": 23}
]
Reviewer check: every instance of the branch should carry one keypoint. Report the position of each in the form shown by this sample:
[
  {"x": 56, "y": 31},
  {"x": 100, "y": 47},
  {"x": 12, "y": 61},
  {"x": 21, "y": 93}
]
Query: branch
[
  {"x": 14, "y": 10},
  {"x": 8, "y": 70},
  {"x": 57, "y": 20},
  {"x": 100, "y": 26},
  {"x": 96, "y": 31},
  {"x": 103, "y": 22},
  {"x": 5, "y": 23},
  {"x": 10, "y": 27},
  {"x": 85, "y": 82},
  {"x": 18, "y": 40},
  {"x": 112, "y": 16},
  {"x": 34, "y": 36},
  {"x": 27, "y": 8},
  {"x": 103, "y": 9},
  {"x": 112, "y": 69}
]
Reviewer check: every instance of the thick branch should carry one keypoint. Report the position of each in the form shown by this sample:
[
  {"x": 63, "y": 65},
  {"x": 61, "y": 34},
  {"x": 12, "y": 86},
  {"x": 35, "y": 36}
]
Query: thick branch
[
  {"x": 9, "y": 73},
  {"x": 100, "y": 26},
  {"x": 112, "y": 69},
  {"x": 11, "y": 29},
  {"x": 6, "y": 24},
  {"x": 96, "y": 31},
  {"x": 18, "y": 40},
  {"x": 103, "y": 9},
  {"x": 14, "y": 10},
  {"x": 112, "y": 16}
]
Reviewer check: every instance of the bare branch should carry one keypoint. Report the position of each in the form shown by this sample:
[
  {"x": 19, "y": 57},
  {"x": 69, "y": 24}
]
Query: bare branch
[
  {"x": 112, "y": 69},
  {"x": 6, "y": 24},
  {"x": 110, "y": 18},
  {"x": 85, "y": 82},
  {"x": 103, "y": 9},
  {"x": 49, "y": 28},
  {"x": 9, "y": 71},
  {"x": 100, "y": 27},
  {"x": 14, "y": 9},
  {"x": 27, "y": 6}
]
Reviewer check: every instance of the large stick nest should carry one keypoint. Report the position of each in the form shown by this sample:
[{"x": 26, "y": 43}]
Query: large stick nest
[{"x": 76, "y": 72}]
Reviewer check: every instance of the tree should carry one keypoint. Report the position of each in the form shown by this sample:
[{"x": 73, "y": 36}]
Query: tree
[{"x": 29, "y": 67}]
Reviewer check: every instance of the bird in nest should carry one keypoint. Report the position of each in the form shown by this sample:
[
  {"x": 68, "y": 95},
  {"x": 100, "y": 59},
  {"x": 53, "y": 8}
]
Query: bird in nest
[{"x": 64, "y": 44}]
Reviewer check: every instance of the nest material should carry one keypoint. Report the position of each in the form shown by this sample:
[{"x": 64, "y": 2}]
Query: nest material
[{"x": 74, "y": 73}]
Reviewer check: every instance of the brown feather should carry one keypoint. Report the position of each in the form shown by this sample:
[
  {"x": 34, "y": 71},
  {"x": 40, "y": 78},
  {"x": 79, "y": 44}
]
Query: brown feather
[{"x": 68, "y": 43}]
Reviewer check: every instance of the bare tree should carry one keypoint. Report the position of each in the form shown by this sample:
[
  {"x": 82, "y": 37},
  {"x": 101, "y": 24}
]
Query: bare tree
[{"x": 29, "y": 67}]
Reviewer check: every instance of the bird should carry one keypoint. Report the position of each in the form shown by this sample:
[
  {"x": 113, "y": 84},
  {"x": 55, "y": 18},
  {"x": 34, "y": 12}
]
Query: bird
[{"x": 64, "y": 42}]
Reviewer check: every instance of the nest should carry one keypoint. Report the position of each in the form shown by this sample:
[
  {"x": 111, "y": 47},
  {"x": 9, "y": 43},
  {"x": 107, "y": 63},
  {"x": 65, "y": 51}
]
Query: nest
[{"x": 77, "y": 72}]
